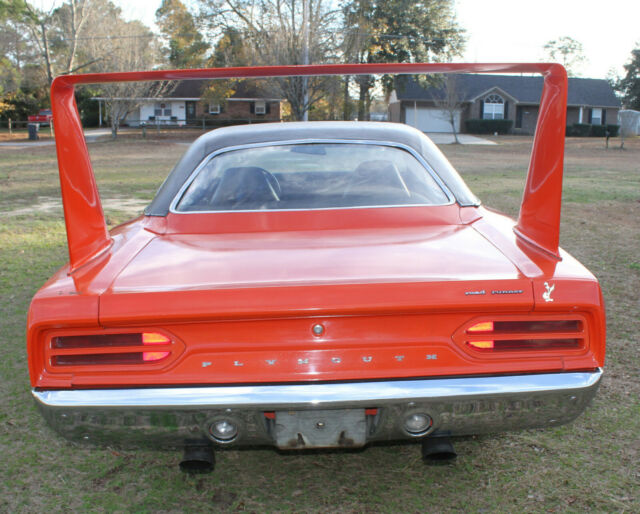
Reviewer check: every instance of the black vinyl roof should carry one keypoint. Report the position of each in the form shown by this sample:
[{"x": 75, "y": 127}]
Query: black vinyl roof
[
  {"x": 524, "y": 89},
  {"x": 239, "y": 135}
]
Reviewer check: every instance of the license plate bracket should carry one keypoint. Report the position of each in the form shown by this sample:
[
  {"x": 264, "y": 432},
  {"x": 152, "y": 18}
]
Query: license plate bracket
[{"x": 341, "y": 428}]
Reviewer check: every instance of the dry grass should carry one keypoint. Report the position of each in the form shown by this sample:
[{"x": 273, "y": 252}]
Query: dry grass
[
  {"x": 22, "y": 135},
  {"x": 592, "y": 464}
]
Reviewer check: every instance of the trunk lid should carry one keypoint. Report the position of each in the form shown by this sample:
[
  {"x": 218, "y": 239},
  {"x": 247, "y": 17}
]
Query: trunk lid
[{"x": 217, "y": 276}]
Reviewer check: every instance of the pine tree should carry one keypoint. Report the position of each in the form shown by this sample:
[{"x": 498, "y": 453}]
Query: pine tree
[
  {"x": 186, "y": 47},
  {"x": 629, "y": 85}
]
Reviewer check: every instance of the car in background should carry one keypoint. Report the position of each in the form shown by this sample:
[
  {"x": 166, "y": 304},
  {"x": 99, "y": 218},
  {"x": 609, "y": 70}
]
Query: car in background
[
  {"x": 43, "y": 117},
  {"x": 313, "y": 285}
]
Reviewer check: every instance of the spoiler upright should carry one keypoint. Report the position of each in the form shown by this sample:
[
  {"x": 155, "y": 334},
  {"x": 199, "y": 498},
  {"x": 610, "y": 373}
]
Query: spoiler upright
[{"x": 87, "y": 235}]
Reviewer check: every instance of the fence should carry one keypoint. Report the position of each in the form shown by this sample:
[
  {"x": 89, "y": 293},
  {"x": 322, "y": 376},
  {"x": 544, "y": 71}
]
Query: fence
[
  {"x": 157, "y": 125},
  {"x": 202, "y": 123},
  {"x": 18, "y": 125}
]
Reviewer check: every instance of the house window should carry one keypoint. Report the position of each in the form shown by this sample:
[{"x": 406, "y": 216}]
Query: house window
[
  {"x": 162, "y": 109},
  {"x": 596, "y": 116},
  {"x": 493, "y": 108},
  {"x": 214, "y": 108},
  {"x": 261, "y": 107}
]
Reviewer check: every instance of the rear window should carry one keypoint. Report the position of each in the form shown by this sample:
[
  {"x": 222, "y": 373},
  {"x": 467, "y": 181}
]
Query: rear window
[{"x": 311, "y": 176}]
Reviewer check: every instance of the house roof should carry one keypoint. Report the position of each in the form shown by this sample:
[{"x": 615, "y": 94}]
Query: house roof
[
  {"x": 524, "y": 89},
  {"x": 243, "y": 89}
]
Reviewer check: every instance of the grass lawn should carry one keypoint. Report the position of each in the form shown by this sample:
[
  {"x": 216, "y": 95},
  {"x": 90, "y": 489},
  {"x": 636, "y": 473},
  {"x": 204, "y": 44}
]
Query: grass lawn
[
  {"x": 22, "y": 134},
  {"x": 592, "y": 464}
]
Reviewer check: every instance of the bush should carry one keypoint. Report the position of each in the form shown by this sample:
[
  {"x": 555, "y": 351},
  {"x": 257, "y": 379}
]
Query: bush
[
  {"x": 581, "y": 129},
  {"x": 88, "y": 108},
  {"x": 586, "y": 130},
  {"x": 478, "y": 126},
  {"x": 614, "y": 130},
  {"x": 21, "y": 104}
]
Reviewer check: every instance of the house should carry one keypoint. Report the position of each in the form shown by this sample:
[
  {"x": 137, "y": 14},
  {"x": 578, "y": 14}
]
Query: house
[
  {"x": 510, "y": 97},
  {"x": 185, "y": 105}
]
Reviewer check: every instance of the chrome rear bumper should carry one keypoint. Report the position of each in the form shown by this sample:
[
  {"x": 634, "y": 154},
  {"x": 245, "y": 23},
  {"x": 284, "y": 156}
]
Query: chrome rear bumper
[{"x": 458, "y": 406}]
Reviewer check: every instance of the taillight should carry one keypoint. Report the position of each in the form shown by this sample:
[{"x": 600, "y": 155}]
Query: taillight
[
  {"x": 514, "y": 335},
  {"x": 506, "y": 327},
  {"x": 109, "y": 349},
  {"x": 483, "y": 326}
]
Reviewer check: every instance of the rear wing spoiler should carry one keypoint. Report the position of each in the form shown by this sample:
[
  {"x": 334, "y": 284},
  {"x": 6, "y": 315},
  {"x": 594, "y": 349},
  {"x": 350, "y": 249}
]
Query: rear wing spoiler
[{"x": 87, "y": 235}]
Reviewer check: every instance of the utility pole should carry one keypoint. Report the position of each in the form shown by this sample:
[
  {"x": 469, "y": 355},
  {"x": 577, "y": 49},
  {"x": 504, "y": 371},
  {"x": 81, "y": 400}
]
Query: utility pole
[{"x": 305, "y": 58}]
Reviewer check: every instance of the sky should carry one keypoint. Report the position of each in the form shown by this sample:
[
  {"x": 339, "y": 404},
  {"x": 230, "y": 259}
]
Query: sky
[{"x": 516, "y": 30}]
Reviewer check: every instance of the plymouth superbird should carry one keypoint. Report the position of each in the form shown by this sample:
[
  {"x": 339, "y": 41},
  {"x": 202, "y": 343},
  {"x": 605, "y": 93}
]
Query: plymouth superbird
[{"x": 314, "y": 285}]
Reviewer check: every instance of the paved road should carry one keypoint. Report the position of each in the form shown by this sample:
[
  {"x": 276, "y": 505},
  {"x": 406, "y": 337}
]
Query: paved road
[{"x": 90, "y": 135}]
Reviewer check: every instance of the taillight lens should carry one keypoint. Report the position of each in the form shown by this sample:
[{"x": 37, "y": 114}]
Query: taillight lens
[
  {"x": 482, "y": 345},
  {"x": 109, "y": 349},
  {"x": 526, "y": 344},
  {"x": 483, "y": 326},
  {"x": 508, "y": 327},
  {"x": 154, "y": 338},
  {"x": 514, "y": 335}
]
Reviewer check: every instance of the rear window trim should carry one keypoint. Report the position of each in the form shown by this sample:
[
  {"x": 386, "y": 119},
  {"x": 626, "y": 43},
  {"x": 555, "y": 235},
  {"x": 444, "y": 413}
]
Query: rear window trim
[{"x": 440, "y": 183}]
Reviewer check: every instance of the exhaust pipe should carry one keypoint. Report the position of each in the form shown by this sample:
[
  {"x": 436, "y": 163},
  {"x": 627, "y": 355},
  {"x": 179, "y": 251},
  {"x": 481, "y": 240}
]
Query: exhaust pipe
[
  {"x": 438, "y": 451},
  {"x": 197, "y": 459}
]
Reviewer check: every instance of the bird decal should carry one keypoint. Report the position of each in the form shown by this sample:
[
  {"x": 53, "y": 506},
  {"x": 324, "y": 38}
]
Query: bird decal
[{"x": 547, "y": 294}]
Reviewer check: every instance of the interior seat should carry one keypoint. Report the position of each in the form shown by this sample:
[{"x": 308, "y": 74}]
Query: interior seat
[{"x": 246, "y": 188}]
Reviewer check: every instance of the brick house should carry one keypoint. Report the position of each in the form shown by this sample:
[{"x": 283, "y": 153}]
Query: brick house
[
  {"x": 515, "y": 98},
  {"x": 185, "y": 106}
]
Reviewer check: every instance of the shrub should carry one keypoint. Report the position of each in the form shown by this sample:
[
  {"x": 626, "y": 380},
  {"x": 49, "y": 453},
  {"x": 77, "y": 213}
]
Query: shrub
[
  {"x": 614, "y": 130},
  {"x": 478, "y": 126},
  {"x": 581, "y": 129},
  {"x": 598, "y": 131}
]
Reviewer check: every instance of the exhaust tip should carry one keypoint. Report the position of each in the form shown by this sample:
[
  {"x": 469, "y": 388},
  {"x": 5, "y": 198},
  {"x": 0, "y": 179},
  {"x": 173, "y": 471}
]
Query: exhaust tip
[
  {"x": 437, "y": 451},
  {"x": 197, "y": 460}
]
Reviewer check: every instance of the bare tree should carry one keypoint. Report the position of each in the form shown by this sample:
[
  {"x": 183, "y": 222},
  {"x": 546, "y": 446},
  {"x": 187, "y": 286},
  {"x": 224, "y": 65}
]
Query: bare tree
[
  {"x": 568, "y": 51},
  {"x": 450, "y": 99},
  {"x": 38, "y": 24},
  {"x": 55, "y": 33},
  {"x": 125, "y": 46},
  {"x": 282, "y": 32},
  {"x": 72, "y": 17}
]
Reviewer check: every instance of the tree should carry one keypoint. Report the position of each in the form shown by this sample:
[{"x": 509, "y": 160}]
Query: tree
[
  {"x": 450, "y": 99},
  {"x": 230, "y": 50},
  {"x": 78, "y": 35},
  {"x": 54, "y": 33},
  {"x": 629, "y": 85},
  {"x": 11, "y": 57},
  {"x": 117, "y": 45},
  {"x": 282, "y": 32},
  {"x": 399, "y": 31},
  {"x": 21, "y": 80},
  {"x": 358, "y": 21},
  {"x": 186, "y": 47},
  {"x": 568, "y": 52},
  {"x": 70, "y": 20}
]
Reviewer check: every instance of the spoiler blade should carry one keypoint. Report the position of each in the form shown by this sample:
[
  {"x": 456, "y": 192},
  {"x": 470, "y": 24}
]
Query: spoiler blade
[{"x": 87, "y": 235}]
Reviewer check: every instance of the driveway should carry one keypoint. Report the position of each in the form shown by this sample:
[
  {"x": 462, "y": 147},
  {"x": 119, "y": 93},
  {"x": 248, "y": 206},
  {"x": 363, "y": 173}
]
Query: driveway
[{"x": 443, "y": 138}]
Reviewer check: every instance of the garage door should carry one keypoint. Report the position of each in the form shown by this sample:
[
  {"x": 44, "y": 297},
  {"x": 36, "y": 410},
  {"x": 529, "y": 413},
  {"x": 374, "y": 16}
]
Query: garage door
[{"x": 431, "y": 119}]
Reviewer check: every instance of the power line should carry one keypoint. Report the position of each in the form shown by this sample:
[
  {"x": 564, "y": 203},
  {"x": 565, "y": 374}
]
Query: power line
[{"x": 194, "y": 34}]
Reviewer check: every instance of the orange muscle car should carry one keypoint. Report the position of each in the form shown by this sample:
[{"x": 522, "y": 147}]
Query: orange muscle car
[{"x": 313, "y": 285}]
